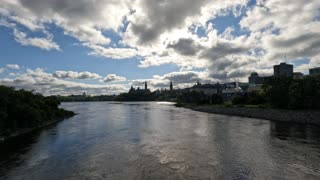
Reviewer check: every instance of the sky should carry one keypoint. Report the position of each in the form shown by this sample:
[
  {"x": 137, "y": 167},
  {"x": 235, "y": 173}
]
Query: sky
[{"x": 65, "y": 47}]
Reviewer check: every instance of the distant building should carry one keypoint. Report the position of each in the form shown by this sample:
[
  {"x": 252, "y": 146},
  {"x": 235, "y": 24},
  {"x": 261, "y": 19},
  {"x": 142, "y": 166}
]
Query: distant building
[
  {"x": 283, "y": 69},
  {"x": 254, "y": 78},
  {"x": 145, "y": 85},
  {"x": 207, "y": 89},
  {"x": 140, "y": 91},
  {"x": 314, "y": 71},
  {"x": 297, "y": 75},
  {"x": 171, "y": 86},
  {"x": 253, "y": 88},
  {"x": 223, "y": 89},
  {"x": 232, "y": 88}
]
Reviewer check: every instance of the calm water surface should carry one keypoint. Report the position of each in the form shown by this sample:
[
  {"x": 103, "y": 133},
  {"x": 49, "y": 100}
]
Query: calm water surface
[{"x": 159, "y": 141}]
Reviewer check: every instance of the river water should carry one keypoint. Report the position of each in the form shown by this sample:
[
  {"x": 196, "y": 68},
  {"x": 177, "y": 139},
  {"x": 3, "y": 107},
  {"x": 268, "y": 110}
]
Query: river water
[{"x": 151, "y": 140}]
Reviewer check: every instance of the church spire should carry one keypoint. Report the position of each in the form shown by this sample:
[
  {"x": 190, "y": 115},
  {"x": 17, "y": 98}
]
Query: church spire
[
  {"x": 145, "y": 85},
  {"x": 171, "y": 86}
]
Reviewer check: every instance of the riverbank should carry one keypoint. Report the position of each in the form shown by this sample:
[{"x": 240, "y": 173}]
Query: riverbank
[
  {"x": 295, "y": 116},
  {"x": 26, "y": 131}
]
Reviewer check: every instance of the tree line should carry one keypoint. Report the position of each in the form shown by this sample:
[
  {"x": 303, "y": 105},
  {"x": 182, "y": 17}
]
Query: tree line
[
  {"x": 276, "y": 92},
  {"x": 21, "y": 109}
]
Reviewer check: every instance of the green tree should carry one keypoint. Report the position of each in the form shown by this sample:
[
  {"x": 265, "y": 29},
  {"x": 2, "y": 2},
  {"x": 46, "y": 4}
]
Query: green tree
[{"x": 277, "y": 91}]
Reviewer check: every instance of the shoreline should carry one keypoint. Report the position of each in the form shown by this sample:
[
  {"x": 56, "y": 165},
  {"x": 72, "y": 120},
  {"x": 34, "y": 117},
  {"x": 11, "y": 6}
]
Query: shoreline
[
  {"x": 294, "y": 116},
  {"x": 30, "y": 130}
]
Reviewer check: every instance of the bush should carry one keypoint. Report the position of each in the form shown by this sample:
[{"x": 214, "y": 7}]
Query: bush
[
  {"x": 240, "y": 100},
  {"x": 193, "y": 97},
  {"x": 216, "y": 99},
  {"x": 256, "y": 98}
]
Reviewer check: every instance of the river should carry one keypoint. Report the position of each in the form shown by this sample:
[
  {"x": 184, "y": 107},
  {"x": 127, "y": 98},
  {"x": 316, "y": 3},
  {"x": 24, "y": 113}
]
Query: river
[{"x": 155, "y": 140}]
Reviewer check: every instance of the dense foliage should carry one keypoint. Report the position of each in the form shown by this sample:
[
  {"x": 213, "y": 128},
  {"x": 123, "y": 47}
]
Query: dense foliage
[
  {"x": 140, "y": 96},
  {"x": 284, "y": 92},
  {"x": 146, "y": 96},
  {"x": 25, "y": 109},
  {"x": 81, "y": 98},
  {"x": 194, "y": 97},
  {"x": 253, "y": 98}
]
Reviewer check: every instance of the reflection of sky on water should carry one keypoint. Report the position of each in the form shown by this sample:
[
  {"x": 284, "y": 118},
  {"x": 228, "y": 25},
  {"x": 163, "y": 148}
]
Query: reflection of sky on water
[{"x": 159, "y": 141}]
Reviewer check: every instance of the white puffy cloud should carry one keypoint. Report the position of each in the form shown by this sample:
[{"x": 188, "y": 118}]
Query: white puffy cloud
[
  {"x": 13, "y": 66},
  {"x": 43, "y": 43},
  {"x": 114, "y": 53},
  {"x": 161, "y": 32},
  {"x": 75, "y": 75},
  {"x": 285, "y": 28},
  {"x": 113, "y": 78},
  {"x": 84, "y": 20},
  {"x": 152, "y": 17},
  {"x": 47, "y": 84}
]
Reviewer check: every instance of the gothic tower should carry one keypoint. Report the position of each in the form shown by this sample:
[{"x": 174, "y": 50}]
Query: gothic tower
[
  {"x": 145, "y": 85},
  {"x": 171, "y": 86}
]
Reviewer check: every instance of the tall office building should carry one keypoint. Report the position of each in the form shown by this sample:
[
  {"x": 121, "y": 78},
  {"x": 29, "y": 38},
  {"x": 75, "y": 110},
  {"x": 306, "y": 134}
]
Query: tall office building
[
  {"x": 283, "y": 69},
  {"x": 314, "y": 71}
]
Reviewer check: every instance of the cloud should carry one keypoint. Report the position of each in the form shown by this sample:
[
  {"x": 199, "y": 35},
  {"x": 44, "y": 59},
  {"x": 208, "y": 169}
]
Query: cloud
[
  {"x": 113, "y": 78},
  {"x": 181, "y": 79},
  {"x": 153, "y": 17},
  {"x": 47, "y": 84},
  {"x": 179, "y": 32},
  {"x": 185, "y": 47},
  {"x": 84, "y": 20},
  {"x": 42, "y": 43},
  {"x": 221, "y": 50},
  {"x": 13, "y": 66},
  {"x": 75, "y": 75},
  {"x": 114, "y": 53},
  {"x": 33, "y": 26},
  {"x": 297, "y": 36}
]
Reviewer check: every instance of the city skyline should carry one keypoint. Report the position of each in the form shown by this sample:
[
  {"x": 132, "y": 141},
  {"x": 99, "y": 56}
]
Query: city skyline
[{"x": 104, "y": 47}]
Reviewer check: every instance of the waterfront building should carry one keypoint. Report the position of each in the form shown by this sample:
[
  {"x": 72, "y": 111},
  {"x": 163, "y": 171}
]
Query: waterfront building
[
  {"x": 222, "y": 89},
  {"x": 140, "y": 91},
  {"x": 283, "y": 69},
  {"x": 207, "y": 89}
]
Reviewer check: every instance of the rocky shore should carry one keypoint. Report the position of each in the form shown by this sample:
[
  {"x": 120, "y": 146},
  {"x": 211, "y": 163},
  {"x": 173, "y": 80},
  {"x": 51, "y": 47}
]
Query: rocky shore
[{"x": 295, "y": 116}]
